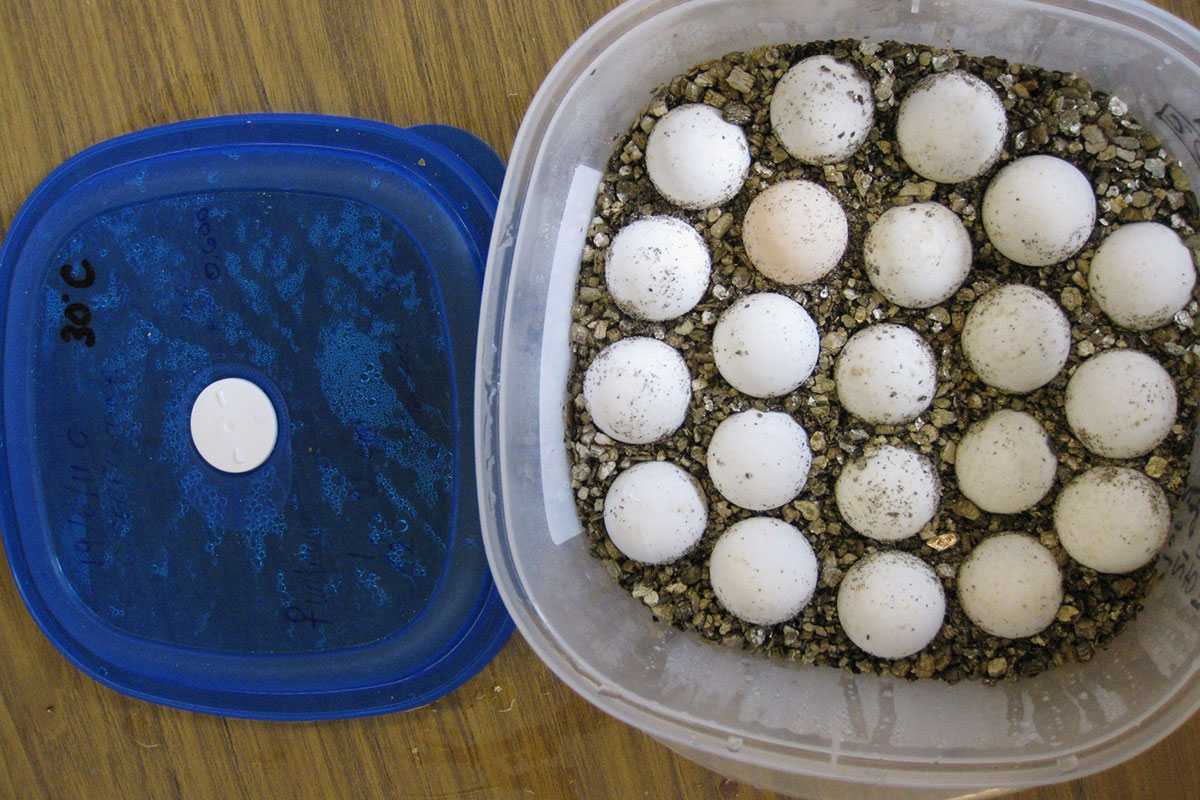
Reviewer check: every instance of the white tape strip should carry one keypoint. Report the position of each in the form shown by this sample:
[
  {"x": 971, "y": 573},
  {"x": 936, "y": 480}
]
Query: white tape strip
[{"x": 556, "y": 355}]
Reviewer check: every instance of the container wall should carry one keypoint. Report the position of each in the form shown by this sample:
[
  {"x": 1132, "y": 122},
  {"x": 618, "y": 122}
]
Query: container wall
[{"x": 752, "y": 711}]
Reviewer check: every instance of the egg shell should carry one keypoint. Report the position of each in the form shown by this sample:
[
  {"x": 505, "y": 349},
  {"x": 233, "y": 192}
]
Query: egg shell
[
  {"x": 951, "y": 127},
  {"x": 766, "y": 345},
  {"x": 891, "y": 604},
  {"x": 637, "y": 390},
  {"x": 759, "y": 459},
  {"x": 1016, "y": 338},
  {"x": 1010, "y": 586},
  {"x": 655, "y": 512},
  {"x": 795, "y": 232},
  {"x": 822, "y": 110},
  {"x": 1112, "y": 519},
  {"x": 917, "y": 255},
  {"x": 1142, "y": 275},
  {"x": 888, "y": 494},
  {"x": 763, "y": 570},
  {"x": 1039, "y": 210},
  {"x": 657, "y": 268},
  {"x": 886, "y": 374},
  {"x": 1121, "y": 403},
  {"x": 1004, "y": 464},
  {"x": 695, "y": 158}
]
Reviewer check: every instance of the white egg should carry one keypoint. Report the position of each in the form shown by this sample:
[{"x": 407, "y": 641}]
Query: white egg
[
  {"x": 637, "y": 390},
  {"x": 695, "y": 158},
  {"x": 763, "y": 570},
  {"x": 1010, "y": 586},
  {"x": 1016, "y": 338},
  {"x": 795, "y": 232},
  {"x": 759, "y": 459},
  {"x": 886, "y": 374},
  {"x": 917, "y": 255},
  {"x": 822, "y": 110},
  {"x": 888, "y": 494},
  {"x": 891, "y": 604},
  {"x": 1142, "y": 275},
  {"x": 657, "y": 268},
  {"x": 1039, "y": 210},
  {"x": 1112, "y": 519},
  {"x": 765, "y": 345},
  {"x": 1004, "y": 463},
  {"x": 951, "y": 127},
  {"x": 1121, "y": 404},
  {"x": 654, "y": 512}
]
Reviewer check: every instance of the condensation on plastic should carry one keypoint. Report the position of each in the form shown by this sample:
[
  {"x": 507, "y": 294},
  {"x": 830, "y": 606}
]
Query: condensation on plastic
[{"x": 803, "y": 730}]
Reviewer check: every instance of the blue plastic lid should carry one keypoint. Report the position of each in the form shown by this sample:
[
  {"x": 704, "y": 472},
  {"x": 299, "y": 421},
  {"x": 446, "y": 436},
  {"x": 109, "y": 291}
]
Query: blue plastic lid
[{"x": 336, "y": 265}]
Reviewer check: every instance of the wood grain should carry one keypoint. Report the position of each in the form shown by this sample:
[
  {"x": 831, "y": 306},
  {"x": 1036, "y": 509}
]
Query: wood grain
[{"x": 76, "y": 72}]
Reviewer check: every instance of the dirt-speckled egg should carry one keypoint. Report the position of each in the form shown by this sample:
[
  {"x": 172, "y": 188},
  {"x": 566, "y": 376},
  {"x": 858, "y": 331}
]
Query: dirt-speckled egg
[
  {"x": 822, "y": 110},
  {"x": 1016, "y": 338},
  {"x": 759, "y": 459},
  {"x": 1039, "y": 210},
  {"x": 886, "y": 374},
  {"x": 1004, "y": 464},
  {"x": 763, "y": 570},
  {"x": 1010, "y": 586},
  {"x": 1112, "y": 519},
  {"x": 657, "y": 268},
  {"x": 637, "y": 390},
  {"x": 891, "y": 604},
  {"x": 795, "y": 232},
  {"x": 654, "y": 512},
  {"x": 1121, "y": 403},
  {"x": 951, "y": 127},
  {"x": 766, "y": 345},
  {"x": 1142, "y": 275},
  {"x": 695, "y": 158},
  {"x": 888, "y": 494},
  {"x": 917, "y": 255}
]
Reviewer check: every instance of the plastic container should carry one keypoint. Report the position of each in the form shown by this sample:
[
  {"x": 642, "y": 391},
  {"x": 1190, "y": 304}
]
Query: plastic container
[{"x": 804, "y": 730}]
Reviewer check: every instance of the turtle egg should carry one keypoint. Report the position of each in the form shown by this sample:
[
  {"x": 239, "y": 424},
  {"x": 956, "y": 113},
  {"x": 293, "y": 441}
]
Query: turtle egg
[
  {"x": 1142, "y": 275},
  {"x": 1112, "y": 519},
  {"x": 891, "y": 604},
  {"x": 1120, "y": 404},
  {"x": 657, "y": 268},
  {"x": 1016, "y": 338},
  {"x": 1004, "y": 464},
  {"x": 637, "y": 390},
  {"x": 759, "y": 459},
  {"x": 886, "y": 374},
  {"x": 917, "y": 255},
  {"x": 1010, "y": 586},
  {"x": 654, "y": 512},
  {"x": 763, "y": 570},
  {"x": 765, "y": 345},
  {"x": 795, "y": 231},
  {"x": 1039, "y": 210},
  {"x": 822, "y": 110},
  {"x": 951, "y": 127},
  {"x": 695, "y": 158},
  {"x": 888, "y": 494}
]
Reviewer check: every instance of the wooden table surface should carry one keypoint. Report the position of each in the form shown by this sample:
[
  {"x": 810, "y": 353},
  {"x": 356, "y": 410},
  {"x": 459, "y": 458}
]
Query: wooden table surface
[{"x": 75, "y": 72}]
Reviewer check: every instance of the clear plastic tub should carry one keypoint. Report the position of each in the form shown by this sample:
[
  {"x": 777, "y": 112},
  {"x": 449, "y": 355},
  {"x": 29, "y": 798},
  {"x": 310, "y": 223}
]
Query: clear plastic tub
[{"x": 804, "y": 730}]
